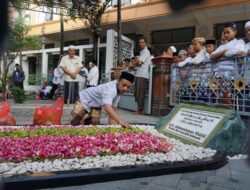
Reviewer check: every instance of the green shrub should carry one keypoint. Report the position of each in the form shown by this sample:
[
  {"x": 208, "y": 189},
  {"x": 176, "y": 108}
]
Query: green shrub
[
  {"x": 9, "y": 76},
  {"x": 18, "y": 94}
]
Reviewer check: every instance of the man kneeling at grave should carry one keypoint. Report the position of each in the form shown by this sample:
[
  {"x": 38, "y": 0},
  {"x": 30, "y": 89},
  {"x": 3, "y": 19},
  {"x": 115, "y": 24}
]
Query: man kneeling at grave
[{"x": 87, "y": 110}]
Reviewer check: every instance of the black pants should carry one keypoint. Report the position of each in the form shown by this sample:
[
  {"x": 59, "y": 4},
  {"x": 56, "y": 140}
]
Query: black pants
[
  {"x": 52, "y": 92},
  {"x": 140, "y": 89},
  {"x": 70, "y": 92}
]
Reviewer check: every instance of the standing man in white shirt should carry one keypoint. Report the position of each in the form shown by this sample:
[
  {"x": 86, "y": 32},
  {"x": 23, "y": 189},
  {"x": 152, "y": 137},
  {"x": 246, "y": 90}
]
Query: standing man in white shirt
[
  {"x": 142, "y": 75},
  {"x": 71, "y": 66},
  {"x": 82, "y": 77},
  {"x": 57, "y": 80},
  {"x": 93, "y": 76},
  {"x": 88, "y": 109}
]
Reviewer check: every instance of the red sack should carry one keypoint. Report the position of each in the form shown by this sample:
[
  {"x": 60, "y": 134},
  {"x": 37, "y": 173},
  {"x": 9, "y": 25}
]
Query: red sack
[
  {"x": 5, "y": 117},
  {"x": 49, "y": 115}
]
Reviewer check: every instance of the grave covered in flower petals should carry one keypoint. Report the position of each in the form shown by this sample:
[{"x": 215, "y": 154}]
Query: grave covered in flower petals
[
  {"x": 66, "y": 155},
  {"x": 39, "y": 143}
]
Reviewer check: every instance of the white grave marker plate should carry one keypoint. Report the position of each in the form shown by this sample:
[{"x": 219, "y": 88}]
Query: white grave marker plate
[{"x": 195, "y": 124}]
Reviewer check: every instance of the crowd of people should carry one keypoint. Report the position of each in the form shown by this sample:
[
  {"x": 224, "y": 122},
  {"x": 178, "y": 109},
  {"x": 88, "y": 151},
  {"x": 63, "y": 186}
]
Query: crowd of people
[
  {"x": 72, "y": 75},
  {"x": 202, "y": 50},
  {"x": 202, "y": 55},
  {"x": 81, "y": 85},
  {"x": 199, "y": 53}
]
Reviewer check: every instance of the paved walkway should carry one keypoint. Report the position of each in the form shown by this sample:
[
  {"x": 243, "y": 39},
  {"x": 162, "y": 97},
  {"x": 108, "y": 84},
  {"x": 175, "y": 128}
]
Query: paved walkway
[
  {"x": 23, "y": 113},
  {"x": 234, "y": 176}
]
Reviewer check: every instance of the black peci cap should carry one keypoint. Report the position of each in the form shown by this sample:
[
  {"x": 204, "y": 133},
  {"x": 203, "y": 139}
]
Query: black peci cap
[
  {"x": 127, "y": 76},
  {"x": 210, "y": 41},
  {"x": 231, "y": 25},
  {"x": 175, "y": 53}
]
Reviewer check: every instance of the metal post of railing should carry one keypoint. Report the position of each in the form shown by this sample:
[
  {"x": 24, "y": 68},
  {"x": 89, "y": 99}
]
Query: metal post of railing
[{"x": 150, "y": 84}]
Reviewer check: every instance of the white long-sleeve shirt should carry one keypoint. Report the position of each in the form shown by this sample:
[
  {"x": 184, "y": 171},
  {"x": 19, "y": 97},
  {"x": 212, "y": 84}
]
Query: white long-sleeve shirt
[
  {"x": 93, "y": 76},
  {"x": 145, "y": 58},
  {"x": 81, "y": 78},
  {"x": 227, "y": 67},
  {"x": 185, "y": 62},
  {"x": 247, "y": 47},
  {"x": 200, "y": 57},
  {"x": 58, "y": 76},
  {"x": 234, "y": 46}
]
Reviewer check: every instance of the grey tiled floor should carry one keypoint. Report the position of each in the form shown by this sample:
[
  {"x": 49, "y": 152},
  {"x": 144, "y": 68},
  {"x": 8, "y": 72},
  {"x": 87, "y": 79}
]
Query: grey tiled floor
[{"x": 225, "y": 178}]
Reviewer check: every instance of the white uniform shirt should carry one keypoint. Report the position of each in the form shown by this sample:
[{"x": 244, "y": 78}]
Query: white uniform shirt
[
  {"x": 93, "y": 76},
  {"x": 234, "y": 46},
  {"x": 247, "y": 47},
  {"x": 98, "y": 96},
  {"x": 227, "y": 68},
  {"x": 72, "y": 64},
  {"x": 58, "y": 76},
  {"x": 143, "y": 70},
  {"x": 200, "y": 57},
  {"x": 208, "y": 57},
  {"x": 46, "y": 90},
  {"x": 81, "y": 78},
  {"x": 185, "y": 62}
]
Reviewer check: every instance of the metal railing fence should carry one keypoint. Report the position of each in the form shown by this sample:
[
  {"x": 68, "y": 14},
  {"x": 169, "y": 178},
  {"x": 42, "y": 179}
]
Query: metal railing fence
[{"x": 225, "y": 82}]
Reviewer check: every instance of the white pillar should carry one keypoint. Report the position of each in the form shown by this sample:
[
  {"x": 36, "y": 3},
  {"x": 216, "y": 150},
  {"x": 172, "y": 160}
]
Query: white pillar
[
  {"x": 44, "y": 62},
  {"x": 98, "y": 52},
  {"x": 109, "y": 51},
  {"x": 81, "y": 53}
]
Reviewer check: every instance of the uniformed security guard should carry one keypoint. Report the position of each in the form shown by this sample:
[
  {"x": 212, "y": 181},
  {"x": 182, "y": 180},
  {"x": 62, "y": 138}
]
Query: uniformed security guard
[{"x": 87, "y": 110}]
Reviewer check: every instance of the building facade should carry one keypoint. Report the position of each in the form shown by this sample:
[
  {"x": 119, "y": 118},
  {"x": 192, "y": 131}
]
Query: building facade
[{"x": 151, "y": 18}]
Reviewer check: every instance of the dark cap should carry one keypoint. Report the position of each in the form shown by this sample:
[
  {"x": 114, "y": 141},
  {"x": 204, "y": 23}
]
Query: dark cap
[
  {"x": 127, "y": 76},
  {"x": 175, "y": 53},
  {"x": 231, "y": 25},
  {"x": 210, "y": 41}
]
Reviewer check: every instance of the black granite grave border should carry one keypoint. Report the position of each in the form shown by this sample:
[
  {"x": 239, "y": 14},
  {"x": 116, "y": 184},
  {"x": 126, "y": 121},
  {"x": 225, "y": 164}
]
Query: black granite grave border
[{"x": 89, "y": 176}]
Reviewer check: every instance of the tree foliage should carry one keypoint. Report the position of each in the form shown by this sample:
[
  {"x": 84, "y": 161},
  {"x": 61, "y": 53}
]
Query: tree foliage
[
  {"x": 18, "y": 38},
  {"x": 89, "y": 11},
  {"x": 17, "y": 42}
]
